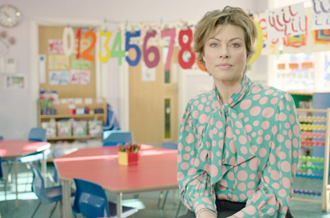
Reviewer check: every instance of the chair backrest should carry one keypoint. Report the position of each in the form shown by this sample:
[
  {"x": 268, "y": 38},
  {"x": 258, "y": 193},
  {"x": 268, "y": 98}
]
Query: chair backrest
[
  {"x": 38, "y": 134},
  {"x": 38, "y": 184},
  {"x": 90, "y": 199},
  {"x": 170, "y": 145},
  {"x": 113, "y": 137},
  {"x": 1, "y": 137},
  {"x": 57, "y": 152}
]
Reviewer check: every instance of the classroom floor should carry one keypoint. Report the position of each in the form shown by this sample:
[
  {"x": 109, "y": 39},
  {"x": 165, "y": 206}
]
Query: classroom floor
[{"x": 146, "y": 202}]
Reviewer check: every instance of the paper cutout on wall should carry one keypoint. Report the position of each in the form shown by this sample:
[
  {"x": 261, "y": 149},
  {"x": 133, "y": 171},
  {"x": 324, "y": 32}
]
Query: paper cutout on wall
[
  {"x": 80, "y": 77},
  {"x": 150, "y": 50},
  {"x": 186, "y": 56},
  {"x": 80, "y": 63},
  {"x": 296, "y": 41},
  {"x": 42, "y": 68},
  {"x": 300, "y": 43},
  {"x": 321, "y": 40},
  {"x": 55, "y": 46},
  {"x": 15, "y": 81},
  {"x": 321, "y": 36},
  {"x": 58, "y": 78},
  {"x": 286, "y": 21},
  {"x": 58, "y": 62},
  {"x": 147, "y": 74},
  {"x": 68, "y": 41},
  {"x": 171, "y": 34},
  {"x": 270, "y": 46},
  {"x": 128, "y": 46},
  {"x": 320, "y": 14}
]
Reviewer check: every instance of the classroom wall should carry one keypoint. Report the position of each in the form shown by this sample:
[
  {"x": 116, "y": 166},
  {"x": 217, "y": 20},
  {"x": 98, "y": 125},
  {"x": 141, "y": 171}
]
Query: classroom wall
[{"x": 15, "y": 105}]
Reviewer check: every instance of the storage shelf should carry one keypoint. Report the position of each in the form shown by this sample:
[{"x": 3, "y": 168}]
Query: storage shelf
[
  {"x": 71, "y": 116},
  {"x": 75, "y": 137}
]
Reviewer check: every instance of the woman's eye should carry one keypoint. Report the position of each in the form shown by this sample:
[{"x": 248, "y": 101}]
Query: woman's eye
[
  {"x": 235, "y": 45},
  {"x": 213, "y": 45}
]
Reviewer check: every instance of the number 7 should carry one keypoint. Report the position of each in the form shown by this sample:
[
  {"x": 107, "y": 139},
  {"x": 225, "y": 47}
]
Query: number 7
[{"x": 171, "y": 34}]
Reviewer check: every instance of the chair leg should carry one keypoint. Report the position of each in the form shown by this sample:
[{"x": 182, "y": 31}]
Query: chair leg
[
  {"x": 36, "y": 209},
  {"x": 178, "y": 210},
  {"x": 28, "y": 177},
  {"x": 9, "y": 167},
  {"x": 6, "y": 195},
  {"x": 166, "y": 193},
  {"x": 52, "y": 211},
  {"x": 160, "y": 198}
]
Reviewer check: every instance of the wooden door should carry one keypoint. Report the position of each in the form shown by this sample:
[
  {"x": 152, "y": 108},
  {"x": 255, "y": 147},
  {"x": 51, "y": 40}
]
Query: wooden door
[{"x": 153, "y": 105}]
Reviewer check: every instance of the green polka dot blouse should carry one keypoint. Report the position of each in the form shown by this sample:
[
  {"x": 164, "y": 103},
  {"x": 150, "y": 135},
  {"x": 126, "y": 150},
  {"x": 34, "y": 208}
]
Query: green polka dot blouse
[{"x": 242, "y": 151}]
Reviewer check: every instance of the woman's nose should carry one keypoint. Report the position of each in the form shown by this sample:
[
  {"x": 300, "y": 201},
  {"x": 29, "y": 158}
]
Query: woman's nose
[{"x": 224, "y": 53}]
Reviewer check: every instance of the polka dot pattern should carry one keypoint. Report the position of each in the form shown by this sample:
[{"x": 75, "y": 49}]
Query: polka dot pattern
[{"x": 245, "y": 150}]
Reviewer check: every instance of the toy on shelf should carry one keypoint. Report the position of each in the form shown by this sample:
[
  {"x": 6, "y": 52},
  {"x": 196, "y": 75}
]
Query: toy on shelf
[
  {"x": 50, "y": 128},
  {"x": 314, "y": 124},
  {"x": 64, "y": 128},
  {"x": 79, "y": 127}
]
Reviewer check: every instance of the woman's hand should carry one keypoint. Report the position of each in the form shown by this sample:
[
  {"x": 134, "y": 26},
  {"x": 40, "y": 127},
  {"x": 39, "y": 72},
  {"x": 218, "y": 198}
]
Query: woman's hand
[{"x": 206, "y": 214}]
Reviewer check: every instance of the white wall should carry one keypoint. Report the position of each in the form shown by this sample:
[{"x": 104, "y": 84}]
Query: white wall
[{"x": 15, "y": 106}]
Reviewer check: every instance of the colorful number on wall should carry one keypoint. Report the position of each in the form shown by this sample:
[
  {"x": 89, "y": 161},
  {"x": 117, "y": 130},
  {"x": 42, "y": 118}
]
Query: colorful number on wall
[
  {"x": 85, "y": 54},
  {"x": 78, "y": 35},
  {"x": 68, "y": 48},
  {"x": 117, "y": 53},
  {"x": 128, "y": 46},
  {"x": 151, "y": 49},
  {"x": 185, "y": 46},
  {"x": 105, "y": 58},
  {"x": 171, "y": 34}
]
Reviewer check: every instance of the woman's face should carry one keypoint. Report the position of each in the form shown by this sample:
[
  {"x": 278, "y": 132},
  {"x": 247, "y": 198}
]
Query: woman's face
[{"x": 225, "y": 54}]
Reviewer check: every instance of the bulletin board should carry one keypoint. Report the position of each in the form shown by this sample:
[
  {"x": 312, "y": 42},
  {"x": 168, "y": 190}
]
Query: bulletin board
[{"x": 70, "y": 68}]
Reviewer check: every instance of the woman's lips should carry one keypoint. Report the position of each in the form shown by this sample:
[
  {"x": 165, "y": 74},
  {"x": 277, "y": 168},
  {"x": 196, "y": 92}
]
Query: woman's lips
[{"x": 224, "y": 66}]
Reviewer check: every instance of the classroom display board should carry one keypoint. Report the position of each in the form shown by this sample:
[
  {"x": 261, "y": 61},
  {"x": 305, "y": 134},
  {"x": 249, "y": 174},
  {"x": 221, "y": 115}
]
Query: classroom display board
[{"x": 70, "y": 76}]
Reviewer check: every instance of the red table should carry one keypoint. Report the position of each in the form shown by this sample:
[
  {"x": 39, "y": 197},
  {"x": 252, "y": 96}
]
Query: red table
[
  {"x": 156, "y": 171},
  {"x": 13, "y": 149}
]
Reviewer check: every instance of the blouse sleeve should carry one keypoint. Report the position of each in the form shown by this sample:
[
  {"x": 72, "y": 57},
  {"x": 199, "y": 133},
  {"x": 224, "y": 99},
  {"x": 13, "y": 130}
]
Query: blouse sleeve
[
  {"x": 195, "y": 187},
  {"x": 276, "y": 184}
]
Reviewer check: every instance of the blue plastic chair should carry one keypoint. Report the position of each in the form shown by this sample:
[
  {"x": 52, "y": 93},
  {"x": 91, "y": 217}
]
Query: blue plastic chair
[
  {"x": 45, "y": 195},
  {"x": 57, "y": 152},
  {"x": 91, "y": 201},
  {"x": 38, "y": 135},
  {"x": 113, "y": 137},
  {"x": 167, "y": 145},
  {"x": 2, "y": 178},
  {"x": 1, "y": 138}
]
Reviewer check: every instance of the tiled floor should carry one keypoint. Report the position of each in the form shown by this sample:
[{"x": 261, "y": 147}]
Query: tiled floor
[{"x": 146, "y": 202}]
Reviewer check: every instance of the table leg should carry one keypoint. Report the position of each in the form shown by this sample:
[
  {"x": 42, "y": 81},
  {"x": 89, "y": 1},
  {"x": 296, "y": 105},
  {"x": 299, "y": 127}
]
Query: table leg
[
  {"x": 66, "y": 203},
  {"x": 44, "y": 167},
  {"x": 16, "y": 182},
  {"x": 119, "y": 206}
]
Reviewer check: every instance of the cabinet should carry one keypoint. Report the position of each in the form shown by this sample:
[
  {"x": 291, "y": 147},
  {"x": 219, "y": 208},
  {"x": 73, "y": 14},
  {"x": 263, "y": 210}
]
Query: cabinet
[{"x": 62, "y": 112}]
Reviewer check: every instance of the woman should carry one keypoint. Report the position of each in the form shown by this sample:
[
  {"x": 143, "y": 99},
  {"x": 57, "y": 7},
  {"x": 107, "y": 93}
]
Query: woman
[{"x": 238, "y": 144}]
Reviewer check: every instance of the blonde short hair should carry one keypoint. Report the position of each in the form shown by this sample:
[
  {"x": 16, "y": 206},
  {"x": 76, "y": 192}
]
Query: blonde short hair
[{"x": 229, "y": 15}]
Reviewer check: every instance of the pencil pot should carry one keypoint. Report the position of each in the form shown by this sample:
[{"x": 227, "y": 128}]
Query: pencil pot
[{"x": 128, "y": 158}]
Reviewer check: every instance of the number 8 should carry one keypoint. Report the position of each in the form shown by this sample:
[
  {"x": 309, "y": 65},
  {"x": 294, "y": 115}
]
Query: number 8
[{"x": 186, "y": 47}]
